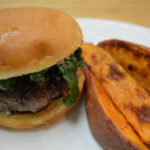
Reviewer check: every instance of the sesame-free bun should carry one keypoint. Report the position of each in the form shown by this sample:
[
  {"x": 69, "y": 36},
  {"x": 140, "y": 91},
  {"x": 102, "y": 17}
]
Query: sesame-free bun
[
  {"x": 51, "y": 113},
  {"x": 35, "y": 38}
]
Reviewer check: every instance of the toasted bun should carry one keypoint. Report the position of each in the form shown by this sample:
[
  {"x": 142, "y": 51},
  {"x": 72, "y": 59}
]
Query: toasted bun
[
  {"x": 35, "y": 38},
  {"x": 53, "y": 112}
]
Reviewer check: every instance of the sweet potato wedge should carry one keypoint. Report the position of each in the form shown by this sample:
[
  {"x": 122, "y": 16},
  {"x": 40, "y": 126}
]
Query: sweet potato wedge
[
  {"x": 134, "y": 58},
  {"x": 131, "y": 99},
  {"x": 108, "y": 125}
]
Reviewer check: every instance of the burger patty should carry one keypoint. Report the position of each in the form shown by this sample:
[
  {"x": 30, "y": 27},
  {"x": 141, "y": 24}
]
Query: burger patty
[{"x": 27, "y": 96}]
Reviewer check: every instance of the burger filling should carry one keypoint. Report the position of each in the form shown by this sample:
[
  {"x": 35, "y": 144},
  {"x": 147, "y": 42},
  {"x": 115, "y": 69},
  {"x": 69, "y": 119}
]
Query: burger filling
[{"x": 33, "y": 92}]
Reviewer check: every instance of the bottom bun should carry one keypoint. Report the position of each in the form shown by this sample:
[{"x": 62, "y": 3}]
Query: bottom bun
[{"x": 51, "y": 113}]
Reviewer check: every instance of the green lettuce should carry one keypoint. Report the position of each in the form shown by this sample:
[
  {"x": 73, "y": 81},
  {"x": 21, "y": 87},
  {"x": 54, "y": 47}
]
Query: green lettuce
[
  {"x": 7, "y": 85},
  {"x": 40, "y": 77},
  {"x": 68, "y": 69}
]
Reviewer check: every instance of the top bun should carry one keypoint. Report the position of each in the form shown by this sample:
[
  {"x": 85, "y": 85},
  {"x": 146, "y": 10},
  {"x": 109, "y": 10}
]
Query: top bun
[{"x": 35, "y": 38}]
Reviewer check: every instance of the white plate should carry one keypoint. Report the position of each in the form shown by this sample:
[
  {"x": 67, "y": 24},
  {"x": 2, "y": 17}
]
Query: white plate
[{"x": 72, "y": 131}]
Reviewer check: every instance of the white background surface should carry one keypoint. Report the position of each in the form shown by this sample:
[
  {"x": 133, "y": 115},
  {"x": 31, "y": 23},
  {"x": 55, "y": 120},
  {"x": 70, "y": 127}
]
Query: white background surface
[{"x": 72, "y": 131}]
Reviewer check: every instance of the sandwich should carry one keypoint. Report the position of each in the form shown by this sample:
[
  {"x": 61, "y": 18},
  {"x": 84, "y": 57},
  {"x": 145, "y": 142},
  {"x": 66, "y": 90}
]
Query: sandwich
[{"x": 40, "y": 66}]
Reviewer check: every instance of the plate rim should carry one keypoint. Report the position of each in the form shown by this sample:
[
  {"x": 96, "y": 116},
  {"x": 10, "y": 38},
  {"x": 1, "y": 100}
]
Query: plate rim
[{"x": 113, "y": 21}]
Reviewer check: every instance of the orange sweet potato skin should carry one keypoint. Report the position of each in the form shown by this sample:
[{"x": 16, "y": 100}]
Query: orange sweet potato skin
[
  {"x": 134, "y": 58},
  {"x": 102, "y": 126}
]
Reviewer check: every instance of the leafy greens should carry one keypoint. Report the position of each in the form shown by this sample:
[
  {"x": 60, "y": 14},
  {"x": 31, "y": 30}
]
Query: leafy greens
[{"x": 68, "y": 69}]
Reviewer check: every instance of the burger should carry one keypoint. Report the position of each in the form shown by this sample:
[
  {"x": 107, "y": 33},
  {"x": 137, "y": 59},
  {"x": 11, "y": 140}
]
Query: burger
[{"x": 40, "y": 66}]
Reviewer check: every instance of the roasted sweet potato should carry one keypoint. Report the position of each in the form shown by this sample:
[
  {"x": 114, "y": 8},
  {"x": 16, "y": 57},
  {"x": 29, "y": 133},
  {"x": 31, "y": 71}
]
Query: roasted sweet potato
[
  {"x": 134, "y": 58},
  {"x": 131, "y": 99},
  {"x": 108, "y": 125}
]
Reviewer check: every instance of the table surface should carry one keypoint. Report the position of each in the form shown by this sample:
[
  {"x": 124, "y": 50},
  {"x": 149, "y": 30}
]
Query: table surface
[{"x": 133, "y": 11}]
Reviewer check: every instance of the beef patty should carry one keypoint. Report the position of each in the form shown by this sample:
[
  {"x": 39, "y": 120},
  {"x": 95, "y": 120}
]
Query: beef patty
[{"x": 27, "y": 96}]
